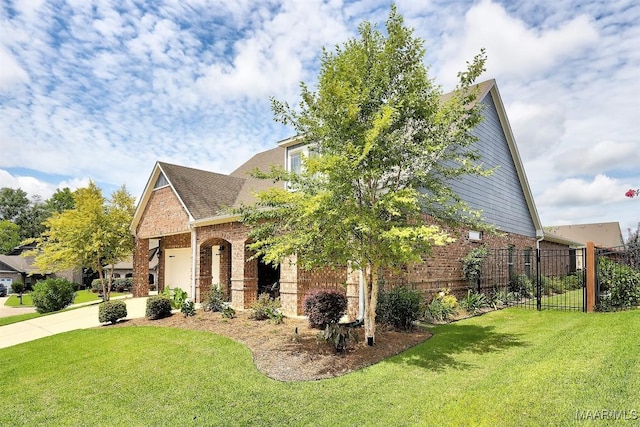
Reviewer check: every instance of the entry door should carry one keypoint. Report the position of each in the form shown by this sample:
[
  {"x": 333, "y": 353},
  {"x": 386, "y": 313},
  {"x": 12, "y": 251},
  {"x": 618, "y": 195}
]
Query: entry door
[{"x": 177, "y": 269}]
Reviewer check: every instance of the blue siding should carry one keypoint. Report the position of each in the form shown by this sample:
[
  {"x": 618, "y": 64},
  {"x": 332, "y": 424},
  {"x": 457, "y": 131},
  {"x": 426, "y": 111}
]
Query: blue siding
[{"x": 500, "y": 196}]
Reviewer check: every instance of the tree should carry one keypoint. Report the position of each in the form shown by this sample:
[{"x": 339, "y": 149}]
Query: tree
[
  {"x": 384, "y": 146},
  {"x": 93, "y": 234},
  {"x": 60, "y": 201},
  {"x": 13, "y": 204},
  {"x": 9, "y": 236}
]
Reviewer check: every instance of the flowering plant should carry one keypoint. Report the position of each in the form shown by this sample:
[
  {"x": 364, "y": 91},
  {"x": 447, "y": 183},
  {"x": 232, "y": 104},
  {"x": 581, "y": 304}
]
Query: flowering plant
[{"x": 632, "y": 193}]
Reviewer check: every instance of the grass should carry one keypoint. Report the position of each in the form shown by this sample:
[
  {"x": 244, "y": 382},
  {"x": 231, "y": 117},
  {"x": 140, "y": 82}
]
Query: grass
[
  {"x": 511, "y": 368},
  {"x": 18, "y": 318},
  {"x": 81, "y": 297}
]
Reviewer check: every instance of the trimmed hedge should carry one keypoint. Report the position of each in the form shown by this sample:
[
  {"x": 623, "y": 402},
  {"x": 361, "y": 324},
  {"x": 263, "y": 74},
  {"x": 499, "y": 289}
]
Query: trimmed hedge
[
  {"x": 158, "y": 307},
  {"x": 112, "y": 311},
  {"x": 323, "y": 307}
]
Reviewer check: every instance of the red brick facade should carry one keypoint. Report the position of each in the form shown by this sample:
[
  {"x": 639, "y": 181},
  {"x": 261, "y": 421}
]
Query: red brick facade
[{"x": 164, "y": 218}]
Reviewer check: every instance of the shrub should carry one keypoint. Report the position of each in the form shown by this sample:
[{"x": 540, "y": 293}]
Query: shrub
[
  {"x": 213, "y": 300},
  {"x": 521, "y": 285},
  {"x": 17, "y": 287},
  {"x": 52, "y": 295},
  {"x": 324, "y": 307},
  {"x": 122, "y": 284},
  {"x": 620, "y": 285},
  {"x": 228, "y": 312},
  {"x": 96, "y": 286},
  {"x": 188, "y": 308},
  {"x": 158, "y": 307},
  {"x": 112, "y": 311},
  {"x": 472, "y": 265},
  {"x": 338, "y": 336},
  {"x": 399, "y": 307},
  {"x": 266, "y": 308},
  {"x": 176, "y": 296},
  {"x": 442, "y": 307},
  {"x": 473, "y": 302}
]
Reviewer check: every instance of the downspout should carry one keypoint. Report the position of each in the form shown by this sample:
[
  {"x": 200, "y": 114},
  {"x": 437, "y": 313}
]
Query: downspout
[{"x": 194, "y": 261}]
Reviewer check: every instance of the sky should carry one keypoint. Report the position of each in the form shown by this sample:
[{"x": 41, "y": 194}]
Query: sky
[{"x": 102, "y": 89}]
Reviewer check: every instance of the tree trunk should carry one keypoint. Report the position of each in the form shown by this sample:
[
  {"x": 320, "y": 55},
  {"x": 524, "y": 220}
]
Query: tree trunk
[
  {"x": 105, "y": 289},
  {"x": 370, "y": 302}
]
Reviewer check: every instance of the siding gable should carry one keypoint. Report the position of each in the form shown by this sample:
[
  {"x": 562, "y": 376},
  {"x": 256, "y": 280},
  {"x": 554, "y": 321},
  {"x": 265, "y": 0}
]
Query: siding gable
[{"x": 500, "y": 196}]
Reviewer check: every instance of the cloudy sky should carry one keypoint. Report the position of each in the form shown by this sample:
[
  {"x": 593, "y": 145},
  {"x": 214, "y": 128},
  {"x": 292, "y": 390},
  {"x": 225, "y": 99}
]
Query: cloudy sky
[{"x": 102, "y": 89}]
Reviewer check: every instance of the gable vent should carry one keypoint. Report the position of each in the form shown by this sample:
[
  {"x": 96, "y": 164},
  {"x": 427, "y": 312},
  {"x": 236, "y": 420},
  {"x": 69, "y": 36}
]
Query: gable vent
[{"x": 161, "y": 181}]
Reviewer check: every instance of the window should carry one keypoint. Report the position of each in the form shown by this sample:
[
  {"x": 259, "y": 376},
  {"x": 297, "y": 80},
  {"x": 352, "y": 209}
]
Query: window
[
  {"x": 161, "y": 181},
  {"x": 295, "y": 162}
]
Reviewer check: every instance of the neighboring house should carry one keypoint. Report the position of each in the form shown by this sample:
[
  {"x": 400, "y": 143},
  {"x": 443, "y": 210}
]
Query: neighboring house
[
  {"x": 16, "y": 268},
  {"x": 202, "y": 245},
  {"x": 604, "y": 235},
  {"x": 124, "y": 269}
]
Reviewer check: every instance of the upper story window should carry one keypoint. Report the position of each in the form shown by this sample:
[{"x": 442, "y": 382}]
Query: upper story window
[
  {"x": 161, "y": 181},
  {"x": 295, "y": 162}
]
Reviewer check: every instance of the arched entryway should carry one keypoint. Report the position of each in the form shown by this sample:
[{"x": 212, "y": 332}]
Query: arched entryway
[
  {"x": 268, "y": 279},
  {"x": 215, "y": 266}
]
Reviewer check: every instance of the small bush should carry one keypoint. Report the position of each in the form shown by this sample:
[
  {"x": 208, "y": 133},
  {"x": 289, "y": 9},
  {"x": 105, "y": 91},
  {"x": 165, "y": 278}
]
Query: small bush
[
  {"x": 399, "y": 307},
  {"x": 112, "y": 311},
  {"x": 521, "y": 285},
  {"x": 472, "y": 265},
  {"x": 324, "y": 307},
  {"x": 619, "y": 285},
  {"x": 473, "y": 302},
  {"x": 176, "y": 296},
  {"x": 213, "y": 300},
  {"x": 228, "y": 312},
  {"x": 188, "y": 308},
  {"x": 338, "y": 336},
  {"x": 442, "y": 307},
  {"x": 266, "y": 308},
  {"x": 158, "y": 307},
  {"x": 52, "y": 295},
  {"x": 17, "y": 287},
  {"x": 96, "y": 286},
  {"x": 122, "y": 284}
]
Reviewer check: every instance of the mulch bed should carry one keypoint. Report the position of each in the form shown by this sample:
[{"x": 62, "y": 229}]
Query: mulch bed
[{"x": 291, "y": 351}]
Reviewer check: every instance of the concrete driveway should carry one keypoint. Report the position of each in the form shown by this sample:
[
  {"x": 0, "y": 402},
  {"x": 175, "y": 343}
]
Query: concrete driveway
[{"x": 80, "y": 318}]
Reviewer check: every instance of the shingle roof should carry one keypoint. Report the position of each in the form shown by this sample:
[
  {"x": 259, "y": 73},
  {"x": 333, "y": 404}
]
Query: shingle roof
[
  {"x": 18, "y": 263},
  {"x": 203, "y": 193},
  {"x": 262, "y": 161}
]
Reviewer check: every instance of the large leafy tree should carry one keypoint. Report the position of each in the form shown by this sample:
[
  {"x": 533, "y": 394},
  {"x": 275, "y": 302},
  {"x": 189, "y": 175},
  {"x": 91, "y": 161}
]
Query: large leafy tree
[
  {"x": 384, "y": 146},
  {"x": 93, "y": 234},
  {"x": 60, "y": 201},
  {"x": 9, "y": 236}
]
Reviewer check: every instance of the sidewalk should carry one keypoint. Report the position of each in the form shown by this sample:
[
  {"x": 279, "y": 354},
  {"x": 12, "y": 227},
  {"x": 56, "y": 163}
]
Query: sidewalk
[{"x": 80, "y": 318}]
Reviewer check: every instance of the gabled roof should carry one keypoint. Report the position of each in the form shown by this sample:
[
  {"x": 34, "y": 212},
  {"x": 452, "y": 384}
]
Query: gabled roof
[
  {"x": 17, "y": 263},
  {"x": 204, "y": 194},
  {"x": 605, "y": 234}
]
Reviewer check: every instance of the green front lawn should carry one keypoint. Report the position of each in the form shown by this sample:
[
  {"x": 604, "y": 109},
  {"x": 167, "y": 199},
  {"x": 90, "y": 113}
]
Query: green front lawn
[
  {"x": 512, "y": 367},
  {"x": 81, "y": 297}
]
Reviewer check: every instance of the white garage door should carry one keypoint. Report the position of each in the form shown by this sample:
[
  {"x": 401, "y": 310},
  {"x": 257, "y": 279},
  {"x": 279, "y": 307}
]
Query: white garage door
[{"x": 177, "y": 269}]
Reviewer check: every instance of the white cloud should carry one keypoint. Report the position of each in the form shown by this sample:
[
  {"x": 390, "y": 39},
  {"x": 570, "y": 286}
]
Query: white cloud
[
  {"x": 11, "y": 73},
  {"x": 580, "y": 192},
  {"x": 514, "y": 50},
  {"x": 600, "y": 157}
]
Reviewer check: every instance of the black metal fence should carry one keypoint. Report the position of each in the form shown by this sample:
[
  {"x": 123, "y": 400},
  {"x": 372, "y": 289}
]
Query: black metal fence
[
  {"x": 617, "y": 277},
  {"x": 535, "y": 278}
]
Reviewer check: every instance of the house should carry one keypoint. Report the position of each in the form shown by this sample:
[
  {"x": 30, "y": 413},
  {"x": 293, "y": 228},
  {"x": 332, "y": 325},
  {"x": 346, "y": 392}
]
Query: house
[
  {"x": 17, "y": 268},
  {"x": 201, "y": 245},
  {"x": 604, "y": 235}
]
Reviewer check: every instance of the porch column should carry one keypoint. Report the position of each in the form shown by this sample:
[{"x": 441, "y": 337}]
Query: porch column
[
  {"x": 141, "y": 268},
  {"x": 289, "y": 297},
  {"x": 244, "y": 276}
]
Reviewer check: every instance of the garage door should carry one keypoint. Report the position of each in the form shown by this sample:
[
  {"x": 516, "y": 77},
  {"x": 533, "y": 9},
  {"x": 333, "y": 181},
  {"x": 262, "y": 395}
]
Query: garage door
[{"x": 177, "y": 267}]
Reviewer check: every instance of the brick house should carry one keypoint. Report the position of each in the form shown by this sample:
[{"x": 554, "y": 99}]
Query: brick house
[{"x": 200, "y": 245}]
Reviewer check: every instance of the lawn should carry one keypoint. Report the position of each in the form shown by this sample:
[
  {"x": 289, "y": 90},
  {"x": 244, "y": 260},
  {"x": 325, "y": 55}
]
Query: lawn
[
  {"x": 512, "y": 367},
  {"x": 81, "y": 297}
]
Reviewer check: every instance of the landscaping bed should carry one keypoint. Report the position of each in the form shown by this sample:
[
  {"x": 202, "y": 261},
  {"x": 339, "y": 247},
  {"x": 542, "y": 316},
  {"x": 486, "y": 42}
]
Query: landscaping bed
[{"x": 282, "y": 354}]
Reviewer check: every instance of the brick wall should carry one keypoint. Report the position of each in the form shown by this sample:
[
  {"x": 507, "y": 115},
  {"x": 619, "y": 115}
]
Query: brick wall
[{"x": 163, "y": 215}]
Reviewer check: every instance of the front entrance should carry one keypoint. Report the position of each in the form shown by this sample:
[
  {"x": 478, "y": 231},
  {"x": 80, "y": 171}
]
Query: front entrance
[{"x": 268, "y": 279}]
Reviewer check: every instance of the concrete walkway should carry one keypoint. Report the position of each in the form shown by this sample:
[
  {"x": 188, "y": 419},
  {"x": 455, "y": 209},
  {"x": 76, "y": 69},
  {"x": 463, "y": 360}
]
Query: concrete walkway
[{"x": 80, "y": 318}]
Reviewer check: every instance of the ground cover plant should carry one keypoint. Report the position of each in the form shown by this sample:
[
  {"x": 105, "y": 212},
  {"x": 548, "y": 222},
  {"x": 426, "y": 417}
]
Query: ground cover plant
[{"x": 511, "y": 367}]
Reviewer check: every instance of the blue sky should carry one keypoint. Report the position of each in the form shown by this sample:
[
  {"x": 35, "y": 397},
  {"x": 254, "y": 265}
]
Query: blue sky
[{"x": 103, "y": 89}]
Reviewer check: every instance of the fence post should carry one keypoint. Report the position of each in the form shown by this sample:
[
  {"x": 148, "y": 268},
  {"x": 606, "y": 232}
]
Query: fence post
[{"x": 590, "y": 266}]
